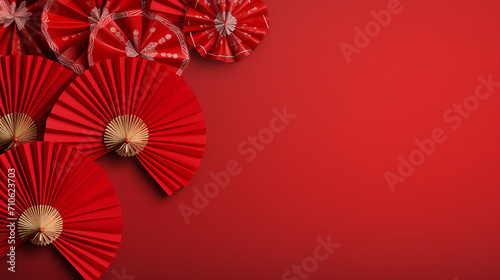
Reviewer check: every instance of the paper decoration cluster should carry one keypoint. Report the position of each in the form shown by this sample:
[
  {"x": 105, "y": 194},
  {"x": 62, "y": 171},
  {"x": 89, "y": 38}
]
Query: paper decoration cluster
[{"x": 83, "y": 78}]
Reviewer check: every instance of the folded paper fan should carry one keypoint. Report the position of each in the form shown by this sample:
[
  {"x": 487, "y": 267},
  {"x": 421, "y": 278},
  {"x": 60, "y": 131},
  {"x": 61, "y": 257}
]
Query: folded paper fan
[
  {"x": 139, "y": 33},
  {"x": 29, "y": 88},
  {"x": 137, "y": 108},
  {"x": 173, "y": 10},
  {"x": 52, "y": 194},
  {"x": 226, "y": 30},
  {"x": 66, "y": 25},
  {"x": 20, "y": 28}
]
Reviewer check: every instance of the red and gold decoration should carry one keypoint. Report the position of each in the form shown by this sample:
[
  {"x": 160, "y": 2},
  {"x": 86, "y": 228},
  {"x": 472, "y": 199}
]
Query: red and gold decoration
[
  {"x": 115, "y": 88},
  {"x": 67, "y": 24},
  {"x": 226, "y": 30},
  {"x": 139, "y": 34},
  {"x": 15, "y": 129},
  {"x": 138, "y": 108},
  {"x": 41, "y": 223},
  {"x": 62, "y": 198},
  {"x": 29, "y": 87},
  {"x": 127, "y": 135}
]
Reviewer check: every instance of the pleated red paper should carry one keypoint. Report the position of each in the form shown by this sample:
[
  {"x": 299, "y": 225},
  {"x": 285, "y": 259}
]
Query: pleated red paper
[
  {"x": 226, "y": 30},
  {"x": 139, "y": 33},
  {"x": 59, "y": 177},
  {"x": 166, "y": 127},
  {"x": 20, "y": 31},
  {"x": 66, "y": 24},
  {"x": 173, "y": 10},
  {"x": 29, "y": 88}
]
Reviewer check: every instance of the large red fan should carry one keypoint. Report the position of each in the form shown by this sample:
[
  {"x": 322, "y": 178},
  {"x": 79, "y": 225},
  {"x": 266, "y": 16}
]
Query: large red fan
[
  {"x": 29, "y": 88},
  {"x": 66, "y": 24},
  {"x": 20, "y": 31},
  {"x": 137, "y": 108},
  {"x": 173, "y": 10},
  {"x": 226, "y": 30},
  {"x": 139, "y": 33},
  {"x": 52, "y": 194}
]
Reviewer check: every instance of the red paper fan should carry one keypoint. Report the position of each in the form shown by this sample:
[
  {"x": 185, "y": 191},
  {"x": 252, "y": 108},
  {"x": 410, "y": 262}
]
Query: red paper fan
[
  {"x": 173, "y": 10},
  {"x": 139, "y": 33},
  {"x": 61, "y": 198},
  {"x": 20, "y": 31},
  {"x": 137, "y": 108},
  {"x": 66, "y": 24},
  {"x": 29, "y": 88},
  {"x": 226, "y": 30}
]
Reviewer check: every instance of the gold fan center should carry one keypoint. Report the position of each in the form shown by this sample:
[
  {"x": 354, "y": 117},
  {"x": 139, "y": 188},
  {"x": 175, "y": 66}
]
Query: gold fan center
[
  {"x": 127, "y": 134},
  {"x": 41, "y": 223},
  {"x": 15, "y": 129}
]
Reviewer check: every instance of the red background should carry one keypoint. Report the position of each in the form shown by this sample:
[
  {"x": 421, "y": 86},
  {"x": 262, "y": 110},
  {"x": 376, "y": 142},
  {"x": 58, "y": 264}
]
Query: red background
[{"x": 324, "y": 174}]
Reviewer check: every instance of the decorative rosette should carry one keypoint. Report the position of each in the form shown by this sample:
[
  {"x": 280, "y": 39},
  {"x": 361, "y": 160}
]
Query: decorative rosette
[
  {"x": 136, "y": 108},
  {"x": 173, "y": 10},
  {"x": 226, "y": 30},
  {"x": 67, "y": 24},
  {"x": 53, "y": 195},
  {"x": 29, "y": 88},
  {"x": 139, "y": 33},
  {"x": 20, "y": 28}
]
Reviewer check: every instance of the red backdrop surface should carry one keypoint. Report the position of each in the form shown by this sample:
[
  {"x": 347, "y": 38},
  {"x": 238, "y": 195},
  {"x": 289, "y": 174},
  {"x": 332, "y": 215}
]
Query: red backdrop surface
[{"x": 323, "y": 174}]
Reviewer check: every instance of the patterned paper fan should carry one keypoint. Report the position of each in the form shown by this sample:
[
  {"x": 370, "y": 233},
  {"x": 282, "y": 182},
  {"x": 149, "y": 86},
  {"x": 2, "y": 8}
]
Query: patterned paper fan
[
  {"x": 139, "y": 33},
  {"x": 66, "y": 24},
  {"x": 173, "y": 10},
  {"x": 29, "y": 88},
  {"x": 20, "y": 31},
  {"x": 137, "y": 108},
  {"x": 226, "y": 30},
  {"x": 55, "y": 195}
]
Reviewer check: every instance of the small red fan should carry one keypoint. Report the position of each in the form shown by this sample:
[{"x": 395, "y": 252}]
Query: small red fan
[
  {"x": 66, "y": 25},
  {"x": 20, "y": 31},
  {"x": 52, "y": 194},
  {"x": 29, "y": 88},
  {"x": 226, "y": 30},
  {"x": 135, "y": 107},
  {"x": 173, "y": 10},
  {"x": 139, "y": 33}
]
